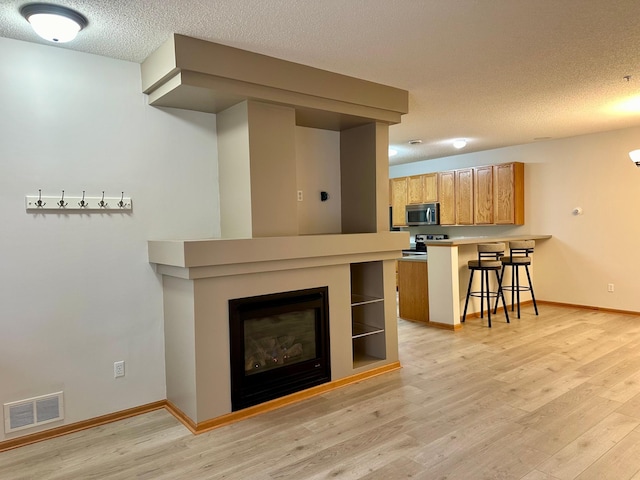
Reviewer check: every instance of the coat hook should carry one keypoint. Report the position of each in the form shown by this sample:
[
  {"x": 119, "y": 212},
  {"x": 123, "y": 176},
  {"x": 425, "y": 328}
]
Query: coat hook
[
  {"x": 102, "y": 203},
  {"x": 121, "y": 203},
  {"x": 40, "y": 203},
  {"x": 62, "y": 203},
  {"x": 82, "y": 203}
]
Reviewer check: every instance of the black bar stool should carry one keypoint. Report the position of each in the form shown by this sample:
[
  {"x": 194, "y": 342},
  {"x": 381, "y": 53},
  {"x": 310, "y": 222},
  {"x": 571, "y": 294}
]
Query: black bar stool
[
  {"x": 488, "y": 259},
  {"x": 519, "y": 252}
]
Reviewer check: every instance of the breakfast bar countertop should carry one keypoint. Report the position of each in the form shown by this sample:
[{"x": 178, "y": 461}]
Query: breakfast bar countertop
[
  {"x": 447, "y": 258},
  {"x": 451, "y": 242}
]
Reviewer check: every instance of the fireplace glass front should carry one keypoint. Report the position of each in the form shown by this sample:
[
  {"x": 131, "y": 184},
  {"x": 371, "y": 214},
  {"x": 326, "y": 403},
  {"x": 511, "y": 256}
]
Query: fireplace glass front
[{"x": 279, "y": 345}]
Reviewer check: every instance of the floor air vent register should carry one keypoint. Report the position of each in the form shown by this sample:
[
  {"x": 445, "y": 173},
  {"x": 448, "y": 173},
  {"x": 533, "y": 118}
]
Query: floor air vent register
[{"x": 33, "y": 412}]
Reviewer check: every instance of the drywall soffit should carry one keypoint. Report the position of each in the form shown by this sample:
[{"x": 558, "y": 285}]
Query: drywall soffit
[{"x": 197, "y": 75}]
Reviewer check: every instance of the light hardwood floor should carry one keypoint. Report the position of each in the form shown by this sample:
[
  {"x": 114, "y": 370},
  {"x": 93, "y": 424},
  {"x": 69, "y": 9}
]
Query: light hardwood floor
[{"x": 552, "y": 397}]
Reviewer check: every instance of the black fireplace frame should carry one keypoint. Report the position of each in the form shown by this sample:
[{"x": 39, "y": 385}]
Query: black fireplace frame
[{"x": 250, "y": 390}]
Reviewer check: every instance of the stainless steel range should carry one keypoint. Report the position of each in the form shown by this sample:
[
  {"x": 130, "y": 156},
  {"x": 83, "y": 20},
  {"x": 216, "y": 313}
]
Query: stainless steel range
[
  {"x": 420, "y": 239},
  {"x": 423, "y": 237}
]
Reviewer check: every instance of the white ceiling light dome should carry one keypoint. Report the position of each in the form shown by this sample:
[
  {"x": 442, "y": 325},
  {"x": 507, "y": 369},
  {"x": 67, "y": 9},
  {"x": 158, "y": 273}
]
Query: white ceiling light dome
[
  {"x": 53, "y": 22},
  {"x": 459, "y": 143}
]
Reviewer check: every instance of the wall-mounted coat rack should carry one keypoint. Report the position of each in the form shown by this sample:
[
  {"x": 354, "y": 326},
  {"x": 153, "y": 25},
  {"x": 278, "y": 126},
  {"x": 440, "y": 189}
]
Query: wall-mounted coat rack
[{"x": 64, "y": 203}]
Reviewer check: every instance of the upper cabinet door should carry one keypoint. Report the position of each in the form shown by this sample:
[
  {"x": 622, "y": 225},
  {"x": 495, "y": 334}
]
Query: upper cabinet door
[
  {"x": 483, "y": 195},
  {"x": 464, "y": 196},
  {"x": 508, "y": 182},
  {"x": 414, "y": 189},
  {"x": 430, "y": 187},
  {"x": 399, "y": 201},
  {"x": 447, "y": 193}
]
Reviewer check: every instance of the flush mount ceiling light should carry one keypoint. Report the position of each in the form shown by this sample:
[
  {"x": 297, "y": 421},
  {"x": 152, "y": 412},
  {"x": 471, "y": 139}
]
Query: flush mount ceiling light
[
  {"x": 634, "y": 155},
  {"x": 53, "y": 22},
  {"x": 459, "y": 143}
]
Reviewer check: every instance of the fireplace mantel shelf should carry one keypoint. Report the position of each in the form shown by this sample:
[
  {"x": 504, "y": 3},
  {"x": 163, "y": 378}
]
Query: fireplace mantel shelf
[{"x": 221, "y": 257}]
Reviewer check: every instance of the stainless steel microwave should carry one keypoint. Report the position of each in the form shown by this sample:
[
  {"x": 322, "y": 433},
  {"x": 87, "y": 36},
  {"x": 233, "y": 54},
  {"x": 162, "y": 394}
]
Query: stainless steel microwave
[{"x": 423, "y": 214}]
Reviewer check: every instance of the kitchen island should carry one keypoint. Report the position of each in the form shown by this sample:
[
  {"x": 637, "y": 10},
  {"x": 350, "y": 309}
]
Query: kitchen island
[{"x": 447, "y": 264}]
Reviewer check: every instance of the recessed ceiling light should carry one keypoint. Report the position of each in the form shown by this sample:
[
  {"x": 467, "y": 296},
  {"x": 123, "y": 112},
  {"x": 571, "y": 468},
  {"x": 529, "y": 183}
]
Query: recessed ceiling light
[
  {"x": 415, "y": 142},
  {"x": 53, "y": 22},
  {"x": 459, "y": 143},
  {"x": 392, "y": 152}
]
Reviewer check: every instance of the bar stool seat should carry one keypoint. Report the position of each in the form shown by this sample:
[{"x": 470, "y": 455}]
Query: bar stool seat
[
  {"x": 519, "y": 256},
  {"x": 507, "y": 260},
  {"x": 489, "y": 255}
]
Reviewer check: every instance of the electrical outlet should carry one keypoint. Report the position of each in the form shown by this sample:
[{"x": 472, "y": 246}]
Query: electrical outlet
[
  {"x": 118, "y": 369},
  {"x": 610, "y": 287},
  {"x": 299, "y": 195}
]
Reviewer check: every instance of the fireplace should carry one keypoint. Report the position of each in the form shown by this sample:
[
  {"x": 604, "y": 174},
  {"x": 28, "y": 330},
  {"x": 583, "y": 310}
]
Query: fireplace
[
  {"x": 201, "y": 277},
  {"x": 279, "y": 344}
]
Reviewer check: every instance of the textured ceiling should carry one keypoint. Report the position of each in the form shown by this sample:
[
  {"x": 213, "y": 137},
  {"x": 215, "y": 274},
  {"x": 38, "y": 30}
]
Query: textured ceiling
[{"x": 497, "y": 72}]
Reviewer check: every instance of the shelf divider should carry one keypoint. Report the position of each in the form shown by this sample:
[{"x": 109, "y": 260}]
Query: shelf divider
[{"x": 357, "y": 299}]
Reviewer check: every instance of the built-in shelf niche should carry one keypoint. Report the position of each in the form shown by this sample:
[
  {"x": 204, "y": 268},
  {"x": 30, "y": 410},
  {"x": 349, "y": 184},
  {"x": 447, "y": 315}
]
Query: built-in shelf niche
[{"x": 367, "y": 313}]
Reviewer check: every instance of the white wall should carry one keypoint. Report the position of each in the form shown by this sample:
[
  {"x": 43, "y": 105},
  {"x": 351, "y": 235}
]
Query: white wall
[
  {"x": 318, "y": 169},
  {"x": 588, "y": 251},
  {"x": 76, "y": 291}
]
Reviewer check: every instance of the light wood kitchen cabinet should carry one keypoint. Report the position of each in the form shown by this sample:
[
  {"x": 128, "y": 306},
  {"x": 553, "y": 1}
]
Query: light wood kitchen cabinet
[
  {"x": 508, "y": 200},
  {"x": 399, "y": 201},
  {"x": 422, "y": 188},
  {"x": 413, "y": 290},
  {"x": 483, "y": 195},
  {"x": 447, "y": 196},
  {"x": 430, "y": 187},
  {"x": 415, "y": 189},
  {"x": 464, "y": 196}
]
